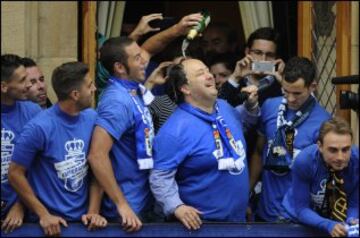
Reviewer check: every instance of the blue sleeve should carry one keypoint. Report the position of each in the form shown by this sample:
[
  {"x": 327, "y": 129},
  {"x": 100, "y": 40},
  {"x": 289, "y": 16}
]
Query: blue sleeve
[
  {"x": 353, "y": 201},
  {"x": 248, "y": 119},
  {"x": 165, "y": 190},
  {"x": 301, "y": 182},
  {"x": 115, "y": 118},
  {"x": 29, "y": 143},
  {"x": 168, "y": 151}
]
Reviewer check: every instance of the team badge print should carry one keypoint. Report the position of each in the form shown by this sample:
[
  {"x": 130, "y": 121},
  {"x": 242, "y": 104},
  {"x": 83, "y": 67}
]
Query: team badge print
[
  {"x": 7, "y": 150},
  {"x": 74, "y": 168}
]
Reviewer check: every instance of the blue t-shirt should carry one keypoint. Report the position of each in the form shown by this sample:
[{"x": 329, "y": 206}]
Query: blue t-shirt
[
  {"x": 309, "y": 179},
  {"x": 13, "y": 119},
  {"x": 116, "y": 115},
  {"x": 186, "y": 143},
  {"x": 53, "y": 148},
  {"x": 274, "y": 186}
]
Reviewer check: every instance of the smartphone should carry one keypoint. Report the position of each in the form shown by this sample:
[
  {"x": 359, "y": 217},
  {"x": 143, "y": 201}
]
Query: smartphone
[
  {"x": 262, "y": 66},
  {"x": 166, "y": 22}
]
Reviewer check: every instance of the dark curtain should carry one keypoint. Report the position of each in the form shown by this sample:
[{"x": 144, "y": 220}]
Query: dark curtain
[{"x": 285, "y": 22}]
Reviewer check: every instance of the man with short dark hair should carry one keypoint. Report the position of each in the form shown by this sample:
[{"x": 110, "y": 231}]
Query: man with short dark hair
[
  {"x": 121, "y": 147},
  {"x": 261, "y": 46},
  {"x": 120, "y": 108},
  {"x": 325, "y": 181},
  {"x": 52, "y": 151},
  {"x": 15, "y": 113},
  {"x": 37, "y": 91},
  {"x": 288, "y": 124}
]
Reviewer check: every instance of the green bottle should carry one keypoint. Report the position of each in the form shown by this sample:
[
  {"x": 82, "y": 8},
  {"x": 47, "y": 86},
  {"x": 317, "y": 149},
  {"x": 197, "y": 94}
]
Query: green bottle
[{"x": 200, "y": 27}]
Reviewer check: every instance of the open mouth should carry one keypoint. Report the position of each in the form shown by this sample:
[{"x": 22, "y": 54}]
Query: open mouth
[
  {"x": 210, "y": 85},
  {"x": 42, "y": 97},
  {"x": 212, "y": 88}
]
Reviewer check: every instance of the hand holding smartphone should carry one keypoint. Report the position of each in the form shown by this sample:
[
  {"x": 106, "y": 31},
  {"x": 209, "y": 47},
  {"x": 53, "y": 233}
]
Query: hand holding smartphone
[{"x": 263, "y": 66}]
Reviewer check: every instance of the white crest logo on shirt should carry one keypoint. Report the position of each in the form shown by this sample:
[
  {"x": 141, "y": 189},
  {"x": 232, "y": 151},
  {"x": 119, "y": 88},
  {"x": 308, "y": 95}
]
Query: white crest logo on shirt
[
  {"x": 74, "y": 168},
  {"x": 7, "y": 150},
  {"x": 74, "y": 147}
]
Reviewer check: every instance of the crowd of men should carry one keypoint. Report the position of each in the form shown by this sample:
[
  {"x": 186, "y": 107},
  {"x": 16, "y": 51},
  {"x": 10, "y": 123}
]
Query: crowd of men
[{"x": 194, "y": 153}]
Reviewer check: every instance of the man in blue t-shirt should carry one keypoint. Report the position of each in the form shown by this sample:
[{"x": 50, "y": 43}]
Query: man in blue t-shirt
[
  {"x": 200, "y": 167},
  {"x": 121, "y": 147},
  {"x": 288, "y": 124},
  {"x": 15, "y": 113},
  {"x": 330, "y": 168},
  {"x": 49, "y": 169},
  {"x": 123, "y": 133}
]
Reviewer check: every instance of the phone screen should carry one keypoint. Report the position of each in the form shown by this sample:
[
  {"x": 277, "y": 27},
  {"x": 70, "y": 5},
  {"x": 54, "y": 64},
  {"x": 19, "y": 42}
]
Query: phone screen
[{"x": 262, "y": 66}]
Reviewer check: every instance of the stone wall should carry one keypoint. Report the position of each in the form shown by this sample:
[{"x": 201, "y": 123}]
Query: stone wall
[{"x": 44, "y": 31}]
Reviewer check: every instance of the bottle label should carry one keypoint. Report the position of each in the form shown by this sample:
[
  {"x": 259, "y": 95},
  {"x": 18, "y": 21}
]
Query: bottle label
[{"x": 192, "y": 33}]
